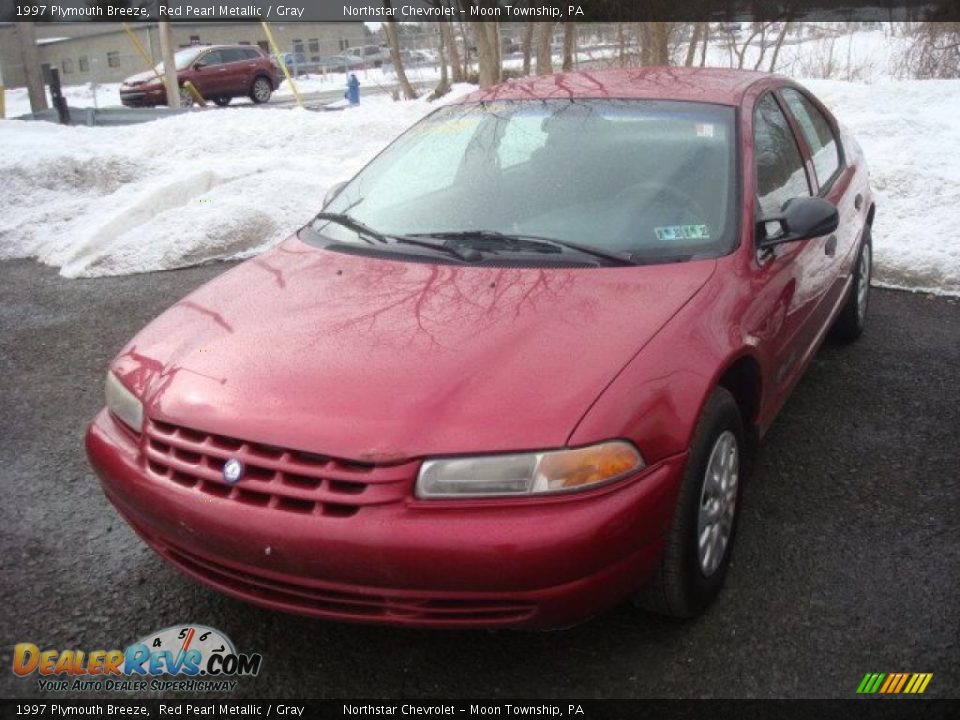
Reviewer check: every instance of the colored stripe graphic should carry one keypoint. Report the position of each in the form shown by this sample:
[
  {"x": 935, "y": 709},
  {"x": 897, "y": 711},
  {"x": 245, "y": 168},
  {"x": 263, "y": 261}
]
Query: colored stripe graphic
[{"x": 894, "y": 683}]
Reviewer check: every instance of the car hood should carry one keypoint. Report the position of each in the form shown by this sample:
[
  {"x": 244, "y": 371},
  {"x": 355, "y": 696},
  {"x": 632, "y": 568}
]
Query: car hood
[
  {"x": 140, "y": 78},
  {"x": 382, "y": 360}
]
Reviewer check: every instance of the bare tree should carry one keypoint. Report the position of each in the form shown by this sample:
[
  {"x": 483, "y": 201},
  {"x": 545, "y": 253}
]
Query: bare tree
[
  {"x": 390, "y": 27},
  {"x": 544, "y": 55},
  {"x": 776, "y": 49},
  {"x": 934, "y": 50},
  {"x": 704, "y": 44},
  {"x": 696, "y": 35},
  {"x": 487, "y": 37},
  {"x": 450, "y": 45},
  {"x": 569, "y": 45},
  {"x": 659, "y": 38},
  {"x": 527, "y": 47}
]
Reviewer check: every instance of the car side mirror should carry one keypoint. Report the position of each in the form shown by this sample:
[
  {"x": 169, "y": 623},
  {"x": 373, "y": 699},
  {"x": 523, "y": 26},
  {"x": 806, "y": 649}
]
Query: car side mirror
[
  {"x": 333, "y": 192},
  {"x": 199, "y": 65},
  {"x": 801, "y": 218}
]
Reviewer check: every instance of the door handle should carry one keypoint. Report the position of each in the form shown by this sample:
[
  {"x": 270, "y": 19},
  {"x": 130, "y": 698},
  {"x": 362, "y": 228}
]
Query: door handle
[
  {"x": 858, "y": 201},
  {"x": 830, "y": 247}
]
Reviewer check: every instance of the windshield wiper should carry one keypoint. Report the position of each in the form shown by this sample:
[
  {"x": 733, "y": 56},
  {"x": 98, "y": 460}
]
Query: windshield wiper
[
  {"x": 495, "y": 240},
  {"x": 366, "y": 232}
]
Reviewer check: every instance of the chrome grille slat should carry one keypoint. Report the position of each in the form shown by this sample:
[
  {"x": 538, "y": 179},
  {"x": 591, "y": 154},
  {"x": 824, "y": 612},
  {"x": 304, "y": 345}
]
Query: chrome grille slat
[{"x": 194, "y": 459}]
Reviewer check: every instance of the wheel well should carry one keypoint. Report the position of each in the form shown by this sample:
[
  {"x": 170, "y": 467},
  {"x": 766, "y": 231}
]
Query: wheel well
[
  {"x": 870, "y": 214},
  {"x": 742, "y": 379}
]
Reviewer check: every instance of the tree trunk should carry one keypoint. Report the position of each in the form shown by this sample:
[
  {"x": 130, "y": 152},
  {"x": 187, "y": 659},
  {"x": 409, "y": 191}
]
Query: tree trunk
[
  {"x": 26, "y": 33},
  {"x": 569, "y": 45},
  {"x": 390, "y": 27},
  {"x": 544, "y": 57},
  {"x": 622, "y": 40},
  {"x": 443, "y": 87},
  {"x": 659, "y": 43},
  {"x": 450, "y": 44},
  {"x": 692, "y": 47},
  {"x": 703, "y": 47},
  {"x": 527, "y": 47},
  {"x": 776, "y": 50},
  {"x": 487, "y": 37}
]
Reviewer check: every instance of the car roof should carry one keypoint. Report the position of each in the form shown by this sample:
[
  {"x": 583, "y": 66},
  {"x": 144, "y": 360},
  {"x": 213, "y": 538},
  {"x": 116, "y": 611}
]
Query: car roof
[{"x": 710, "y": 85}]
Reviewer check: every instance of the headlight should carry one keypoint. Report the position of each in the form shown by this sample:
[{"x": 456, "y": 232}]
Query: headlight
[
  {"x": 528, "y": 473},
  {"x": 123, "y": 403}
]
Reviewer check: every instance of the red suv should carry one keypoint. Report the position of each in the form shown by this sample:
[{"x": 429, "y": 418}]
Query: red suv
[
  {"x": 515, "y": 369},
  {"x": 218, "y": 72}
]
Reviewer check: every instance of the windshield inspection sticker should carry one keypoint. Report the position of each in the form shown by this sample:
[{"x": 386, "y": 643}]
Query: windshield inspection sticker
[
  {"x": 670, "y": 233},
  {"x": 704, "y": 129}
]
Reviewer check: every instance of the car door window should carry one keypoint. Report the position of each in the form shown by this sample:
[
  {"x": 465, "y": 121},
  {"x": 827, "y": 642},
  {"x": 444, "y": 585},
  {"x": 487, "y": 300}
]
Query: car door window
[
  {"x": 817, "y": 132},
  {"x": 779, "y": 165},
  {"x": 214, "y": 57}
]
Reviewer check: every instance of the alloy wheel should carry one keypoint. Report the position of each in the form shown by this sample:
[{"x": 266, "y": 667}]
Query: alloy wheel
[{"x": 718, "y": 503}]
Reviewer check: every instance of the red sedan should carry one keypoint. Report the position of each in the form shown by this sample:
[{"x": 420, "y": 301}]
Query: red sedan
[{"x": 513, "y": 372}]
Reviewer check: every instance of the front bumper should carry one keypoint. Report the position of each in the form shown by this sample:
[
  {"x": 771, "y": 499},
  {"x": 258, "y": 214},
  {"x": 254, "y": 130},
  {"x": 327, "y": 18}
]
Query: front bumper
[
  {"x": 519, "y": 563},
  {"x": 139, "y": 97}
]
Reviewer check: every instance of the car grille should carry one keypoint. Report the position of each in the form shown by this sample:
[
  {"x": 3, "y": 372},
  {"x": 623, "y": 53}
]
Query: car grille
[
  {"x": 278, "y": 478},
  {"x": 313, "y": 598}
]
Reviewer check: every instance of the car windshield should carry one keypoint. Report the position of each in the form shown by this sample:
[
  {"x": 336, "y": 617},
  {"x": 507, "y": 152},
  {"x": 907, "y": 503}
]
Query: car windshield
[
  {"x": 652, "y": 180},
  {"x": 182, "y": 58}
]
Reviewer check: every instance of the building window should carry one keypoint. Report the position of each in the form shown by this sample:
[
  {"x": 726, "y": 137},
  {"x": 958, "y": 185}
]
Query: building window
[
  {"x": 84, "y": 63},
  {"x": 113, "y": 59},
  {"x": 244, "y": 42},
  {"x": 67, "y": 65},
  {"x": 194, "y": 39},
  {"x": 298, "y": 45},
  {"x": 314, "y": 45},
  {"x": 264, "y": 45},
  {"x": 344, "y": 43}
]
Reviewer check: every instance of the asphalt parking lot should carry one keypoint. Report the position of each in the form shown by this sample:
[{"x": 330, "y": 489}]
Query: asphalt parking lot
[{"x": 848, "y": 558}]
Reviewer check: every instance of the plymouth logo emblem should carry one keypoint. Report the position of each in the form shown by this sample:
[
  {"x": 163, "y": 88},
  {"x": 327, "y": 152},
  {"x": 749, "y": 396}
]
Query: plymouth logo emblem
[{"x": 232, "y": 471}]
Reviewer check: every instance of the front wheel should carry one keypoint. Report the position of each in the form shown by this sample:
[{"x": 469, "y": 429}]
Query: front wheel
[
  {"x": 261, "y": 90},
  {"x": 701, "y": 535},
  {"x": 853, "y": 317}
]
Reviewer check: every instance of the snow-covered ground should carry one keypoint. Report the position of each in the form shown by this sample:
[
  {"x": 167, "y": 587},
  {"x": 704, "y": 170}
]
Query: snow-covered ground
[{"x": 205, "y": 185}]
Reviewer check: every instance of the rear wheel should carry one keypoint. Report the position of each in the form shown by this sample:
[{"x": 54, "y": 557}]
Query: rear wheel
[
  {"x": 261, "y": 90},
  {"x": 853, "y": 317},
  {"x": 701, "y": 535},
  {"x": 223, "y": 100}
]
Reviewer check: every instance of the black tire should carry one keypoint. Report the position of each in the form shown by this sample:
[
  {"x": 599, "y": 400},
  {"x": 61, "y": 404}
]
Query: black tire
[
  {"x": 260, "y": 90},
  {"x": 852, "y": 319},
  {"x": 223, "y": 100},
  {"x": 680, "y": 587}
]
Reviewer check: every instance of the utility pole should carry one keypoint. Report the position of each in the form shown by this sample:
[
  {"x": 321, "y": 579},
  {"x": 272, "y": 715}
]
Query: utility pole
[
  {"x": 169, "y": 70},
  {"x": 27, "y": 36}
]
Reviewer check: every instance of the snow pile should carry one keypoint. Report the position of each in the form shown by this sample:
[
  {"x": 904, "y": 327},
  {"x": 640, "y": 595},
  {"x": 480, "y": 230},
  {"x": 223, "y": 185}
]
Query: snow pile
[
  {"x": 910, "y": 134},
  {"x": 205, "y": 185},
  {"x": 176, "y": 192}
]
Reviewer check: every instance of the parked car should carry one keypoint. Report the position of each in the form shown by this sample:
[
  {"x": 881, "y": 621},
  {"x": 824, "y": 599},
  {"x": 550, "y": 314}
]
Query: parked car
[
  {"x": 372, "y": 55},
  {"x": 339, "y": 63},
  {"x": 514, "y": 371},
  {"x": 219, "y": 72}
]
